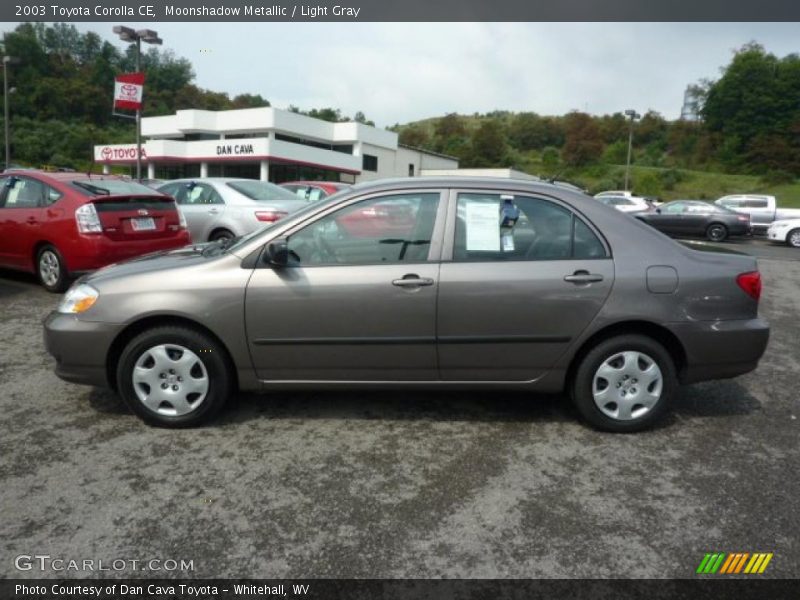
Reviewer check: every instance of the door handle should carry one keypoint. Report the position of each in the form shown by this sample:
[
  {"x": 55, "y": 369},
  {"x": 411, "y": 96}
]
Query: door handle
[
  {"x": 412, "y": 280},
  {"x": 31, "y": 221},
  {"x": 583, "y": 277},
  {"x": 213, "y": 211}
]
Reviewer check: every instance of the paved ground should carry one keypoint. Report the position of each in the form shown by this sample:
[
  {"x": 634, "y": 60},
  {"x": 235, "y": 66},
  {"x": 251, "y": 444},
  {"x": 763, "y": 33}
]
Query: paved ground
[{"x": 402, "y": 484}]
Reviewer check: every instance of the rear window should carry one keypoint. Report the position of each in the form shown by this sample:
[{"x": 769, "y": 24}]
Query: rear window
[
  {"x": 261, "y": 190},
  {"x": 112, "y": 187}
]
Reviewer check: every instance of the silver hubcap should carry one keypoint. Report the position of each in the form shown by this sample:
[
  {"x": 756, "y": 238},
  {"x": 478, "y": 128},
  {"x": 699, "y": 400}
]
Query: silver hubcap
[
  {"x": 627, "y": 385},
  {"x": 794, "y": 238},
  {"x": 717, "y": 233},
  {"x": 170, "y": 380},
  {"x": 49, "y": 268}
]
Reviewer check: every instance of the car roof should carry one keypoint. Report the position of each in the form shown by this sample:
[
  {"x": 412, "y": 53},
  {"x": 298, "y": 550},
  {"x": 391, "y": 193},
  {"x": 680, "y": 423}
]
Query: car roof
[{"x": 461, "y": 181}]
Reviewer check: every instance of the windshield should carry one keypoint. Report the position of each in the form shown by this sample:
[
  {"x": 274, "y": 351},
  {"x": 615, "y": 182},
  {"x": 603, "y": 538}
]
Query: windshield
[
  {"x": 261, "y": 191},
  {"x": 108, "y": 187}
]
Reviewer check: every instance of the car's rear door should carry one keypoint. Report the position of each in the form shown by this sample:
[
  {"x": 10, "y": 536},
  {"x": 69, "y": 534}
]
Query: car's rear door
[
  {"x": 511, "y": 300},
  {"x": 352, "y": 307},
  {"x": 202, "y": 207}
]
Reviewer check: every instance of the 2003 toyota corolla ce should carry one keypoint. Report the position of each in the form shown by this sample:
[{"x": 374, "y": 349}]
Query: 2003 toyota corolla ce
[{"x": 459, "y": 282}]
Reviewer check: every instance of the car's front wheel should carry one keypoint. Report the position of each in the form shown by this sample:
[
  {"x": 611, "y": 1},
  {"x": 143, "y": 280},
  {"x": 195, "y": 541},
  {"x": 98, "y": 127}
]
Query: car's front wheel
[
  {"x": 625, "y": 383},
  {"x": 174, "y": 376},
  {"x": 793, "y": 238}
]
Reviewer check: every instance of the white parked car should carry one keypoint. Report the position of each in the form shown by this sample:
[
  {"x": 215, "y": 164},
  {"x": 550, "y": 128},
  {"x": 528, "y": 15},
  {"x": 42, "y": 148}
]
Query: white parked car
[
  {"x": 786, "y": 231},
  {"x": 220, "y": 208},
  {"x": 626, "y": 204},
  {"x": 762, "y": 209}
]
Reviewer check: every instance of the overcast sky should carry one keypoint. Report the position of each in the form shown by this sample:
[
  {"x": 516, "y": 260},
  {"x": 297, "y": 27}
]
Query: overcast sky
[{"x": 397, "y": 72}]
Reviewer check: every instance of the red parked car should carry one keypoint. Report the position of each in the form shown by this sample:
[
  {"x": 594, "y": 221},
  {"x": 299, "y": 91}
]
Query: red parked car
[
  {"x": 315, "y": 190},
  {"x": 58, "y": 225}
]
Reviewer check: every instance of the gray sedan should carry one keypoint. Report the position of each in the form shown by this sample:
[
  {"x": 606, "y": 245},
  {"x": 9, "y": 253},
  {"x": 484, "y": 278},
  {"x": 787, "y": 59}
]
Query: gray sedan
[
  {"x": 444, "y": 282},
  {"x": 218, "y": 208}
]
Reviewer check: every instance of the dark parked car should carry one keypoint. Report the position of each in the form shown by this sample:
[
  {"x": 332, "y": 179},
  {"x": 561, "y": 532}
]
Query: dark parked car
[
  {"x": 697, "y": 218},
  {"x": 61, "y": 224},
  {"x": 488, "y": 283}
]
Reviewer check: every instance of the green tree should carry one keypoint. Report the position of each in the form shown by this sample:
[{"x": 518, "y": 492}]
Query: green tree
[
  {"x": 489, "y": 146},
  {"x": 583, "y": 143}
]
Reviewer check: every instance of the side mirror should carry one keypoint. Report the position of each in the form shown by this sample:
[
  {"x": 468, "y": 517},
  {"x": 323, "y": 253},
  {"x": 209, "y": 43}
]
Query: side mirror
[
  {"x": 658, "y": 210},
  {"x": 278, "y": 252}
]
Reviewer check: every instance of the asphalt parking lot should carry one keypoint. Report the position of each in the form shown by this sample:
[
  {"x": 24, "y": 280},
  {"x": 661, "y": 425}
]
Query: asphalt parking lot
[{"x": 402, "y": 484}]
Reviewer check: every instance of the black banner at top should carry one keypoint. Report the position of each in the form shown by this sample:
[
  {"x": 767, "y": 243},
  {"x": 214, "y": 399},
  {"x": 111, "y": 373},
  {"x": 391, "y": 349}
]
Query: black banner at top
[{"x": 400, "y": 10}]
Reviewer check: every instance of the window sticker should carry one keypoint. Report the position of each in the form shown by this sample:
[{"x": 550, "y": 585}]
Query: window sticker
[{"x": 483, "y": 226}]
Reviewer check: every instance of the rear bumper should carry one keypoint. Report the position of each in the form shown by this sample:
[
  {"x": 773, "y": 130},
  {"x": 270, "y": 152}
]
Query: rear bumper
[
  {"x": 721, "y": 349},
  {"x": 80, "y": 348},
  {"x": 95, "y": 252}
]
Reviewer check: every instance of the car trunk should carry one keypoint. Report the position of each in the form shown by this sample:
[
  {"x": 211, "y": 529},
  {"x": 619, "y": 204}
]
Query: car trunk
[{"x": 129, "y": 218}]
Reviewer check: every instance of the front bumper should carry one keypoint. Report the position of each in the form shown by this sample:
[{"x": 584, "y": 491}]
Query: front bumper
[
  {"x": 79, "y": 347},
  {"x": 721, "y": 349},
  {"x": 777, "y": 235}
]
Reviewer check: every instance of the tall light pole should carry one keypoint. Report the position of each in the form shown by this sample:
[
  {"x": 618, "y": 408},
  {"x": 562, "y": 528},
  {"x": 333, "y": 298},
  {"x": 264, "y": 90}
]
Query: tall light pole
[
  {"x": 126, "y": 34},
  {"x": 633, "y": 115},
  {"x": 7, "y": 61}
]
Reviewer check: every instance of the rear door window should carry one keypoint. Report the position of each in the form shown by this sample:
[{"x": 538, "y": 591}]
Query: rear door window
[{"x": 543, "y": 230}]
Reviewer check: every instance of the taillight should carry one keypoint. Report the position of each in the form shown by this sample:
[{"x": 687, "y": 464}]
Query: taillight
[
  {"x": 87, "y": 219},
  {"x": 270, "y": 216},
  {"x": 750, "y": 283},
  {"x": 744, "y": 218}
]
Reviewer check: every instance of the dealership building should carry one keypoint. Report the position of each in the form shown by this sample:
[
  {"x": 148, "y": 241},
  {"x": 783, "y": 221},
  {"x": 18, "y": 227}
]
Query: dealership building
[{"x": 271, "y": 145}]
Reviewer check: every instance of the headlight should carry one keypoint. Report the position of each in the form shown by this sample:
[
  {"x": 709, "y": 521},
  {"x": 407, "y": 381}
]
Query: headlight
[{"x": 78, "y": 299}]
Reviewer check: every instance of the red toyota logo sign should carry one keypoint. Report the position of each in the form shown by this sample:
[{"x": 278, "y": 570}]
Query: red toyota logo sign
[{"x": 107, "y": 152}]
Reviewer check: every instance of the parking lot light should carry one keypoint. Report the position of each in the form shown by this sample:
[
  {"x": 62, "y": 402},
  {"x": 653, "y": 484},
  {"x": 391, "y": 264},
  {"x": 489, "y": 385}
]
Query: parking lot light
[
  {"x": 148, "y": 36},
  {"x": 7, "y": 62},
  {"x": 633, "y": 116}
]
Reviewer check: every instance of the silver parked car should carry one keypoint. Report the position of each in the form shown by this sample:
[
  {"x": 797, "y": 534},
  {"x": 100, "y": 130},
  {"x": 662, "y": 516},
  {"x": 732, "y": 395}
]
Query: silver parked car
[
  {"x": 218, "y": 208},
  {"x": 443, "y": 282}
]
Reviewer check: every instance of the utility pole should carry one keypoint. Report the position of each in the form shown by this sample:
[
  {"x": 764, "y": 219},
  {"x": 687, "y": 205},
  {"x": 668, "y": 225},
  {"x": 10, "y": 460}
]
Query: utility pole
[{"x": 7, "y": 61}]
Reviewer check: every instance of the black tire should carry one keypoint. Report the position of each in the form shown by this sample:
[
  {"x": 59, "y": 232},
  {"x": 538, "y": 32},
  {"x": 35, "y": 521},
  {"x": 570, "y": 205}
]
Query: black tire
[
  {"x": 717, "y": 232},
  {"x": 582, "y": 388},
  {"x": 221, "y": 234},
  {"x": 206, "y": 351},
  {"x": 51, "y": 269},
  {"x": 793, "y": 238}
]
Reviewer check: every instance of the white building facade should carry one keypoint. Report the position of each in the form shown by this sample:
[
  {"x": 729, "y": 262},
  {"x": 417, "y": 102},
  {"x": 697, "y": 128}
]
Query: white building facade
[{"x": 268, "y": 144}]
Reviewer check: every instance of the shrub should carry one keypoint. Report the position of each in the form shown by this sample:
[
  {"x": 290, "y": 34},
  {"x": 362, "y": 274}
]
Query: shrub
[{"x": 777, "y": 177}]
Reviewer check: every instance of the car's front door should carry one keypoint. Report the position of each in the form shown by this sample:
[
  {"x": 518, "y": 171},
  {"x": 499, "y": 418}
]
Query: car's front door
[
  {"x": 513, "y": 298},
  {"x": 21, "y": 217},
  {"x": 357, "y": 301}
]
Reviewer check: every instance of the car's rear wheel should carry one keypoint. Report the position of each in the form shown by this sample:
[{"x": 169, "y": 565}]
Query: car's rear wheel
[
  {"x": 624, "y": 384},
  {"x": 174, "y": 376},
  {"x": 221, "y": 235},
  {"x": 51, "y": 270},
  {"x": 717, "y": 232},
  {"x": 793, "y": 238}
]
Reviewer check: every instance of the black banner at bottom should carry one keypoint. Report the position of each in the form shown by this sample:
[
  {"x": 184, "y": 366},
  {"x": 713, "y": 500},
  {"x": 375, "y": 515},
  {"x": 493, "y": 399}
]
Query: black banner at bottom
[{"x": 406, "y": 589}]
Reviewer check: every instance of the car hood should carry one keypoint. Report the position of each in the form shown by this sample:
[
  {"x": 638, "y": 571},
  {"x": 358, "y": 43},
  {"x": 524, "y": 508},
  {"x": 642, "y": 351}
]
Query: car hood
[{"x": 148, "y": 263}]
